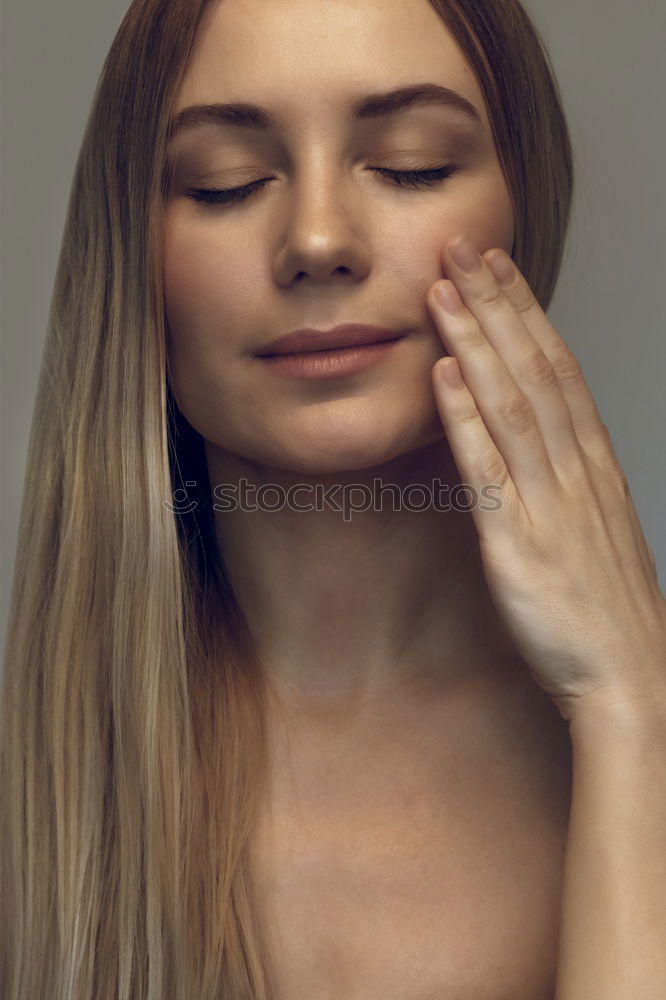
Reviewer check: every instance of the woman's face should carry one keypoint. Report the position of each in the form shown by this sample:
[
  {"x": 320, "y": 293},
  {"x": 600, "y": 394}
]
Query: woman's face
[{"x": 327, "y": 239}]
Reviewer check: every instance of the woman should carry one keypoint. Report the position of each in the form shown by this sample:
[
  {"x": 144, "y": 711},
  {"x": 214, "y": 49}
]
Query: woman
[{"x": 327, "y": 676}]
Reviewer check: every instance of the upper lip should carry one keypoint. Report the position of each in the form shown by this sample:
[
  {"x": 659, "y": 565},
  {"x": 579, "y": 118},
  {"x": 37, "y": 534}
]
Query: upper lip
[{"x": 347, "y": 335}]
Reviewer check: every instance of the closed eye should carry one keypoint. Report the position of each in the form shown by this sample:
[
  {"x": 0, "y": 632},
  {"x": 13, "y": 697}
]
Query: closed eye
[
  {"x": 417, "y": 178},
  {"x": 402, "y": 178}
]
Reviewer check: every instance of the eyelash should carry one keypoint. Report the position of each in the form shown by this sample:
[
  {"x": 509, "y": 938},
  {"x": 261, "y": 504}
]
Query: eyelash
[{"x": 402, "y": 178}]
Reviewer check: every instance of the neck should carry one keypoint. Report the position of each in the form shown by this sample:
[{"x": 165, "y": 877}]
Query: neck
[{"x": 349, "y": 608}]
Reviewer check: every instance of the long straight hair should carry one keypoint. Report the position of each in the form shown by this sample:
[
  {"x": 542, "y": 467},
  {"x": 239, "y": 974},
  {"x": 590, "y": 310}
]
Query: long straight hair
[{"x": 133, "y": 745}]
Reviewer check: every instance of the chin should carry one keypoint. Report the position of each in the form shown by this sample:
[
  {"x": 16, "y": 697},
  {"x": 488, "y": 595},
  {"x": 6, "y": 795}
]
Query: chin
[{"x": 350, "y": 449}]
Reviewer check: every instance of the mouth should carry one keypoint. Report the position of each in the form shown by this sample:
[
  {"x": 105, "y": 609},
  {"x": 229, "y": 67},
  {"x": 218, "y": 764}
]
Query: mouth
[
  {"x": 308, "y": 341},
  {"x": 332, "y": 362}
]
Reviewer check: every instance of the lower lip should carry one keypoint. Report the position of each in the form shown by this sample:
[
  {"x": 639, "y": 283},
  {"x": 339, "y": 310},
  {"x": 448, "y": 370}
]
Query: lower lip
[{"x": 327, "y": 364}]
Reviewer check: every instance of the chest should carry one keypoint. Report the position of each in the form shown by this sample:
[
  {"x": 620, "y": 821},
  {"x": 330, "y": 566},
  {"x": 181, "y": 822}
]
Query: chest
[
  {"x": 418, "y": 856},
  {"x": 416, "y": 905}
]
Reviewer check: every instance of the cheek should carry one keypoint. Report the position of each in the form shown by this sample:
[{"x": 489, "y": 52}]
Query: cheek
[
  {"x": 197, "y": 281},
  {"x": 481, "y": 208},
  {"x": 489, "y": 216},
  {"x": 204, "y": 280}
]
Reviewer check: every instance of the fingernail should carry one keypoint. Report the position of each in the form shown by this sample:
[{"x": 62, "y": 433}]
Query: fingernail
[
  {"x": 502, "y": 268},
  {"x": 450, "y": 372},
  {"x": 466, "y": 256},
  {"x": 448, "y": 297}
]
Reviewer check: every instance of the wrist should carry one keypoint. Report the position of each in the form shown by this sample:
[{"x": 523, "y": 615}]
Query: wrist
[{"x": 610, "y": 716}]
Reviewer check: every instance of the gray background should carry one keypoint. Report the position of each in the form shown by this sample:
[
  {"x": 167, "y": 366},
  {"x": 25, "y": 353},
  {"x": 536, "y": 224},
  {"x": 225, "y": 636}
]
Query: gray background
[{"x": 610, "y": 304}]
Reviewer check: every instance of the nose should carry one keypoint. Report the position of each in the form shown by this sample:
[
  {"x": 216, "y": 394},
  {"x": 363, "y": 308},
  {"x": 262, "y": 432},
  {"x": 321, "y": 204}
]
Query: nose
[{"x": 323, "y": 236}]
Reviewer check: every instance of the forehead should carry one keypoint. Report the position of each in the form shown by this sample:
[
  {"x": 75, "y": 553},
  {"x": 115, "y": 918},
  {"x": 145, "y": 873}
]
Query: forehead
[{"x": 314, "y": 57}]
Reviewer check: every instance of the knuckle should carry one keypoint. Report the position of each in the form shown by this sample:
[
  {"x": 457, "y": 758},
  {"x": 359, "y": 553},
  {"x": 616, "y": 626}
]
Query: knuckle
[
  {"x": 491, "y": 468},
  {"x": 606, "y": 442},
  {"x": 472, "y": 337},
  {"x": 468, "y": 417},
  {"x": 523, "y": 299},
  {"x": 608, "y": 437},
  {"x": 516, "y": 412},
  {"x": 566, "y": 366},
  {"x": 619, "y": 478},
  {"x": 537, "y": 371},
  {"x": 611, "y": 464},
  {"x": 490, "y": 295}
]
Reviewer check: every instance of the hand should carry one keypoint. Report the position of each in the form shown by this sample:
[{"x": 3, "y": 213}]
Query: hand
[{"x": 565, "y": 559}]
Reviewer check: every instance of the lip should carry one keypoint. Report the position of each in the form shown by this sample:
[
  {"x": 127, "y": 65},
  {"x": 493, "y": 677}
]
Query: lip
[
  {"x": 309, "y": 340},
  {"x": 331, "y": 364}
]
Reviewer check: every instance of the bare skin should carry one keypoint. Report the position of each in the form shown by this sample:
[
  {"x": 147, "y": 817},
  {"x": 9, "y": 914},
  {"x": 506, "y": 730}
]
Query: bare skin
[
  {"x": 415, "y": 848},
  {"x": 412, "y": 841}
]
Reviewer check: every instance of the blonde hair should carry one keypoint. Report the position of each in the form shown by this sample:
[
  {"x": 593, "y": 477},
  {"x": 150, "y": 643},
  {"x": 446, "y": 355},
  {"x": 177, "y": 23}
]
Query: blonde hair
[{"x": 133, "y": 750}]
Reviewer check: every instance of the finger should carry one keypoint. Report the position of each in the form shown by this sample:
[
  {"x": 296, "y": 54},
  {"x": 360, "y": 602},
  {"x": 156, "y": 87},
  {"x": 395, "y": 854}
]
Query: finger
[
  {"x": 603, "y": 467},
  {"x": 584, "y": 413},
  {"x": 528, "y": 365},
  {"x": 507, "y": 415},
  {"x": 476, "y": 455}
]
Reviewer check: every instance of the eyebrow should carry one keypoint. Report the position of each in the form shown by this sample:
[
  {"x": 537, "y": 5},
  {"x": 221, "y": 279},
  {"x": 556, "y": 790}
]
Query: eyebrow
[{"x": 253, "y": 116}]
